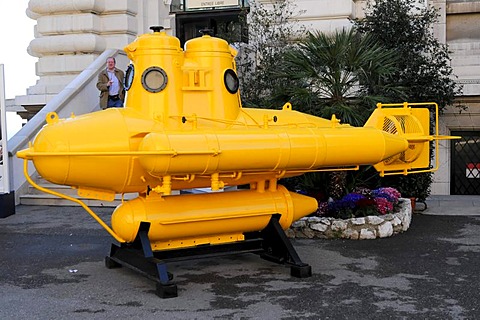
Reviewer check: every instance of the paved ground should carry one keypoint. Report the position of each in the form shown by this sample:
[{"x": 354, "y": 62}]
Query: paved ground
[
  {"x": 453, "y": 205},
  {"x": 52, "y": 267}
]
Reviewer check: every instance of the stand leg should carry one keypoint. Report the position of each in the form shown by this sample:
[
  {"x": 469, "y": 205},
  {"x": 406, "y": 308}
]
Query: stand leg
[
  {"x": 139, "y": 257},
  {"x": 278, "y": 248}
]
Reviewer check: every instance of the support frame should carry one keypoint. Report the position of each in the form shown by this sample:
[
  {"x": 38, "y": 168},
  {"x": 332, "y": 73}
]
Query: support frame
[{"x": 270, "y": 244}]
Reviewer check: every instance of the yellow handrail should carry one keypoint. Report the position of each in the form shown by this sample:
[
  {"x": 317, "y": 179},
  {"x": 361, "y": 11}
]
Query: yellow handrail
[
  {"x": 436, "y": 137},
  {"x": 80, "y": 202}
]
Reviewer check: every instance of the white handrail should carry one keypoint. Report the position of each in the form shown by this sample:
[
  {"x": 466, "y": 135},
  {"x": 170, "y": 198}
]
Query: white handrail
[
  {"x": 79, "y": 97},
  {"x": 4, "y": 172}
]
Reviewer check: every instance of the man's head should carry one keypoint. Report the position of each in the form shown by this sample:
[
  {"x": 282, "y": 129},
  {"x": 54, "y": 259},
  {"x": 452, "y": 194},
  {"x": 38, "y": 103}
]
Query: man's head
[{"x": 110, "y": 63}]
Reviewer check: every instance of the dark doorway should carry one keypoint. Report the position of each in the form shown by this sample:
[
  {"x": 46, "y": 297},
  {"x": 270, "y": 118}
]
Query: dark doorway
[
  {"x": 465, "y": 162},
  {"x": 229, "y": 25}
]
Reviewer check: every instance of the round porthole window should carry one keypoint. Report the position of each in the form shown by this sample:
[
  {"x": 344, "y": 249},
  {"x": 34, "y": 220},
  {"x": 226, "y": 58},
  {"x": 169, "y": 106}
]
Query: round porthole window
[
  {"x": 129, "y": 77},
  {"x": 231, "y": 81},
  {"x": 154, "y": 79}
]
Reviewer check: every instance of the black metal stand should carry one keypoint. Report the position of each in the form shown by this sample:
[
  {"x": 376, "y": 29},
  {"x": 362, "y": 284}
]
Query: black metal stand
[
  {"x": 139, "y": 257},
  {"x": 278, "y": 248},
  {"x": 271, "y": 244}
]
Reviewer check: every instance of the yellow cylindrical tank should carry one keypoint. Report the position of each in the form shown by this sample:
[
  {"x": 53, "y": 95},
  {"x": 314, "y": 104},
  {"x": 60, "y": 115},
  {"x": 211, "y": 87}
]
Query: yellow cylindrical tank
[
  {"x": 267, "y": 150},
  {"x": 209, "y": 68},
  {"x": 75, "y": 135},
  {"x": 157, "y": 58},
  {"x": 195, "y": 219},
  {"x": 92, "y": 150}
]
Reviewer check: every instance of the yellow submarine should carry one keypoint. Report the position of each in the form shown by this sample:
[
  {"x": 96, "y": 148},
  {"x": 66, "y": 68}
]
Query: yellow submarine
[{"x": 183, "y": 127}]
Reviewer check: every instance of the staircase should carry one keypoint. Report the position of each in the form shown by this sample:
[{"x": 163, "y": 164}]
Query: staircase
[
  {"x": 35, "y": 197},
  {"x": 80, "y": 96}
]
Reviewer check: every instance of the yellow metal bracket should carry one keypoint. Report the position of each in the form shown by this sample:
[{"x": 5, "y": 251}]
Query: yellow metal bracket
[
  {"x": 98, "y": 194},
  {"x": 166, "y": 187}
]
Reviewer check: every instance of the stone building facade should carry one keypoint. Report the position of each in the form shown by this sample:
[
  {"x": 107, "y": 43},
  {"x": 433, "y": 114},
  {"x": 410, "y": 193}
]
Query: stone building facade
[{"x": 71, "y": 34}]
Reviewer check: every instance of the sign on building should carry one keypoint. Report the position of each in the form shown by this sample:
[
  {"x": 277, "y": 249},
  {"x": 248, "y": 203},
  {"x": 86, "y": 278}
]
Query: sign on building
[{"x": 200, "y": 4}]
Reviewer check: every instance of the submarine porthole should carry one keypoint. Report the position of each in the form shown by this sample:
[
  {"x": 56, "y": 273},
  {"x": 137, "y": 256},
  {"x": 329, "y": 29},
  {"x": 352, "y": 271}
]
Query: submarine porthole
[
  {"x": 231, "y": 81},
  {"x": 129, "y": 77},
  {"x": 154, "y": 79}
]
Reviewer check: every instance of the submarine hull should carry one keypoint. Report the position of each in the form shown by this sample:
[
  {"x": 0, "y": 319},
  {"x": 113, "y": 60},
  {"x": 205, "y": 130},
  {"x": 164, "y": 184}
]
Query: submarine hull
[{"x": 119, "y": 151}]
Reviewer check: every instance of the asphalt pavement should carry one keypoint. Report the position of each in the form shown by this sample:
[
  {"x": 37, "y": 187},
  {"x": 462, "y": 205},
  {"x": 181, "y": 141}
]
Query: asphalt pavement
[{"x": 52, "y": 267}]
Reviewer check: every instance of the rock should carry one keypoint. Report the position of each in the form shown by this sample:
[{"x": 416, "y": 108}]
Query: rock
[
  {"x": 385, "y": 229},
  {"x": 313, "y": 219},
  {"x": 406, "y": 222},
  {"x": 309, "y": 233},
  {"x": 339, "y": 225},
  {"x": 319, "y": 227},
  {"x": 358, "y": 221},
  {"x": 367, "y": 234},
  {"x": 395, "y": 222},
  {"x": 326, "y": 221},
  {"x": 389, "y": 217},
  {"x": 290, "y": 233},
  {"x": 374, "y": 220},
  {"x": 350, "y": 234},
  {"x": 299, "y": 224}
]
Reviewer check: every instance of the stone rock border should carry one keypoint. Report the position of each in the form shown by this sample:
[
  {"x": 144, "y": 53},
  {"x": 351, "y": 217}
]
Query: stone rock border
[{"x": 370, "y": 227}]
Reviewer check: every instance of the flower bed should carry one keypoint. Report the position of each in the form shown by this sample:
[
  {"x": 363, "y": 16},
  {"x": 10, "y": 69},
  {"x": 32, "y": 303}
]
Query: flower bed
[
  {"x": 361, "y": 203},
  {"x": 358, "y": 228},
  {"x": 362, "y": 214}
]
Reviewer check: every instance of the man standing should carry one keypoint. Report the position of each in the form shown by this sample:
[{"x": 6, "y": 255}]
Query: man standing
[{"x": 110, "y": 84}]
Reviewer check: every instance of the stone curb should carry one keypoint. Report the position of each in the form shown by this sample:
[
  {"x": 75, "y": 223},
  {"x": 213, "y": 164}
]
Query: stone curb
[{"x": 370, "y": 227}]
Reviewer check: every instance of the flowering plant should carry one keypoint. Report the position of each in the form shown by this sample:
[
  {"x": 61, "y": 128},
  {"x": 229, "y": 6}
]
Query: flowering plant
[
  {"x": 360, "y": 203},
  {"x": 391, "y": 194}
]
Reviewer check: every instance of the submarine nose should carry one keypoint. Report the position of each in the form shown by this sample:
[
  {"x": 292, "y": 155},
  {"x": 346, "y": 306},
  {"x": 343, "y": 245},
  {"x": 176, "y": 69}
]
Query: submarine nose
[{"x": 394, "y": 145}]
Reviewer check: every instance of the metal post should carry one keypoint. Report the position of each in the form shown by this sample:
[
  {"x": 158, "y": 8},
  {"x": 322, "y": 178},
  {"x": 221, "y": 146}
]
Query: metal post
[{"x": 7, "y": 199}]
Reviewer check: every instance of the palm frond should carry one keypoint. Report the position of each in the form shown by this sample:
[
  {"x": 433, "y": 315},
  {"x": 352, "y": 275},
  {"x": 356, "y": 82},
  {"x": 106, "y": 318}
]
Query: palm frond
[{"x": 333, "y": 69}]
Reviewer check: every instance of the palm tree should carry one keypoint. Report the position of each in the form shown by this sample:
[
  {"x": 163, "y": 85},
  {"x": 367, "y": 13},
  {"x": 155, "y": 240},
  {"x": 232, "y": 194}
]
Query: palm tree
[{"x": 342, "y": 74}]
